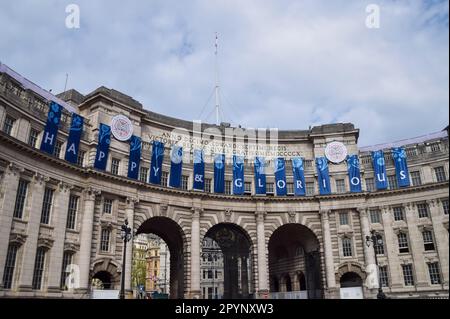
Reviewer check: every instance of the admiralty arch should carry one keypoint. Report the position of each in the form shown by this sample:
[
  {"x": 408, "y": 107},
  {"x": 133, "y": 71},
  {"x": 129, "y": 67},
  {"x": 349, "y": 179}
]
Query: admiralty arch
[{"x": 55, "y": 213}]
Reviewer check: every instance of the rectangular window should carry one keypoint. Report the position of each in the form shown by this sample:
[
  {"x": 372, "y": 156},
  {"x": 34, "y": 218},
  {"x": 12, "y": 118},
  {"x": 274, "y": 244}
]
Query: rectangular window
[
  {"x": 399, "y": 213},
  {"x": 228, "y": 187},
  {"x": 347, "y": 247},
  {"x": 290, "y": 188},
  {"x": 428, "y": 241},
  {"x": 309, "y": 187},
  {"x": 8, "y": 274},
  {"x": 115, "y": 163},
  {"x": 269, "y": 188},
  {"x": 248, "y": 188},
  {"x": 440, "y": 174},
  {"x": 32, "y": 138},
  {"x": 67, "y": 260},
  {"x": 107, "y": 206},
  {"x": 384, "y": 276},
  {"x": 39, "y": 264},
  {"x": 80, "y": 158},
  {"x": 164, "y": 178},
  {"x": 375, "y": 216},
  {"x": 208, "y": 185},
  {"x": 422, "y": 208},
  {"x": 47, "y": 206},
  {"x": 408, "y": 275},
  {"x": 184, "y": 182},
  {"x": 435, "y": 274},
  {"x": 435, "y": 147},
  {"x": 104, "y": 240},
  {"x": 57, "y": 149},
  {"x": 403, "y": 245},
  {"x": 445, "y": 206},
  {"x": 379, "y": 247},
  {"x": 343, "y": 218},
  {"x": 416, "y": 179},
  {"x": 143, "y": 174},
  {"x": 8, "y": 125},
  {"x": 20, "y": 198},
  {"x": 392, "y": 180},
  {"x": 340, "y": 186},
  {"x": 72, "y": 212},
  {"x": 370, "y": 184}
]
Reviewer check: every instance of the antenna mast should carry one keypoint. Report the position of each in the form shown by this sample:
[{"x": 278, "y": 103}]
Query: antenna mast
[{"x": 217, "y": 82}]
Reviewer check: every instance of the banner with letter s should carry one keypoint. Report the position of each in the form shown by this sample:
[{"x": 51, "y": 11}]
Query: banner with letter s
[
  {"x": 354, "y": 173},
  {"x": 379, "y": 169},
  {"x": 104, "y": 140},
  {"x": 219, "y": 173},
  {"x": 323, "y": 176},
  {"x": 238, "y": 175},
  {"x": 176, "y": 166},
  {"x": 51, "y": 128},
  {"x": 73, "y": 142},
  {"x": 199, "y": 170},
  {"x": 157, "y": 160},
  {"x": 401, "y": 166},
  {"x": 280, "y": 176},
  {"x": 260, "y": 176},
  {"x": 135, "y": 157}
]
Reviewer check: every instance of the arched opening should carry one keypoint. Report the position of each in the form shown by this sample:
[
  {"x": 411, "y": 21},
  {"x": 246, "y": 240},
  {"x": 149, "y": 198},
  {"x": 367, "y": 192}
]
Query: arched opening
[
  {"x": 351, "y": 286},
  {"x": 167, "y": 268},
  {"x": 102, "y": 280},
  {"x": 294, "y": 248},
  {"x": 235, "y": 246},
  {"x": 274, "y": 284}
]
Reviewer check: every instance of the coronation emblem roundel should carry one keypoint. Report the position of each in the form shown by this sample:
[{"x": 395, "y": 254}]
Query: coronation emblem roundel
[
  {"x": 336, "y": 152},
  {"x": 121, "y": 127}
]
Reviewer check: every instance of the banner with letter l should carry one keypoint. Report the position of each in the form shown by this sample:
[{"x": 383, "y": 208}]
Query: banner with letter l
[{"x": 260, "y": 176}]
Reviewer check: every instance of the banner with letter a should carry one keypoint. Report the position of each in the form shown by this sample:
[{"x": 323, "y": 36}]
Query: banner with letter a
[
  {"x": 238, "y": 175},
  {"x": 51, "y": 128},
  {"x": 401, "y": 166},
  {"x": 135, "y": 157},
  {"x": 73, "y": 142},
  {"x": 379, "y": 169},
  {"x": 354, "y": 173},
  {"x": 299, "y": 176},
  {"x": 260, "y": 176},
  {"x": 157, "y": 160},
  {"x": 219, "y": 173},
  {"x": 280, "y": 176},
  {"x": 323, "y": 176},
  {"x": 199, "y": 170},
  {"x": 104, "y": 140},
  {"x": 176, "y": 166}
]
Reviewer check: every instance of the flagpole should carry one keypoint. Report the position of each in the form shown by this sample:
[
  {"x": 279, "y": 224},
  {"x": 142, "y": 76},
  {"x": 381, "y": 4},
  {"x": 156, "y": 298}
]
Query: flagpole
[{"x": 217, "y": 82}]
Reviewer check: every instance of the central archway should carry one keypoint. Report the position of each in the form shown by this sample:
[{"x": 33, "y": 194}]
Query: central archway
[
  {"x": 295, "y": 263},
  {"x": 172, "y": 234},
  {"x": 236, "y": 247}
]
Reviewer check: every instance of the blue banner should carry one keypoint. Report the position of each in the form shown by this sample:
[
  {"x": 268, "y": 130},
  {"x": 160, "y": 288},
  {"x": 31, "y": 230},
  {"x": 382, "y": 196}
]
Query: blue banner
[
  {"x": 299, "y": 176},
  {"x": 260, "y": 176},
  {"x": 157, "y": 160},
  {"x": 176, "y": 166},
  {"x": 280, "y": 176},
  {"x": 323, "y": 176},
  {"x": 379, "y": 170},
  {"x": 135, "y": 157},
  {"x": 354, "y": 173},
  {"x": 219, "y": 173},
  {"x": 401, "y": 166},
  {"x": 104, "y": 139},
  {"x": 73, "y": 142},
  {"x": 199, "y": 170},
  {"x": 238, "y": 175},
  {"x": 51, "y": 128}
]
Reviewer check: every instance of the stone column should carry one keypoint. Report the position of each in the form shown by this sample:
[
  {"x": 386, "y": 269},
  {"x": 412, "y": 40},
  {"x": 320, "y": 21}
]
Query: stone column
[
  {"x": 59, "y": 221},
  {"x": 440, "y": 238},
  {"x": 369, "y": 254},
  {"x": 87, "y": 222},
  {"x": 392, "y": 249},
  {"x": 8, "y": 192},
  {"x": 195, "y": 254},
  {"x": 328, "y": 250},
  {"x": 263, "y": 278},
  {"x": 129, "y": 215},
  {"x": 244, "y": 276},
  {"x": 416, "y": 245},
  {"x": 36, "y": 195}
]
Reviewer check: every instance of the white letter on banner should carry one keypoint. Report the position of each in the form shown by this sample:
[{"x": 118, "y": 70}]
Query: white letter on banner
[
  {"x": 381, "y": 179},
  {"x": 101, "y": 155},
  {"x": 324, "y": 182},
  {"x": 355, "y": 181},
  {"x": 259, "y": 183},
  {"x": 402, "y": 175},
  {"x": 281, "y": 184},
  {"x": 133, "y": 166},
  {"x": 71, "y": 148},
  {"x": 198, "y": 178},
  {"x": 156, "y": 169},
  {"x": 238, "y": 182},
  {"x": 48, "y": 138},
  {"x": 299, "y": 184}
]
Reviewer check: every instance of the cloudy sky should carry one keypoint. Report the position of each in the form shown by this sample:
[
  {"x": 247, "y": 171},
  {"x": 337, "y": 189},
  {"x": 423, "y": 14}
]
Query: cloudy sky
[{"x": 284, "y": 64}]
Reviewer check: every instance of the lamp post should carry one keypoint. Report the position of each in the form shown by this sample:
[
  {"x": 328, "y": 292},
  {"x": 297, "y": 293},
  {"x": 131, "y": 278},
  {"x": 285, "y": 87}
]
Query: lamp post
[
  {"x": 377, "y": 241},
  {"x": 125, "y": 234}
]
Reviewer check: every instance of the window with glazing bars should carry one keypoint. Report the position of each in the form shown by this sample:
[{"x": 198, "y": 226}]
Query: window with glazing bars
[
  {"x": 10, "y": 264},
  {"x": 8, "y": 125},
  {"x": 399, "y": 213},
  {"x": 80, "y": 158},
  {"x": 445, "y": 206},
  {"x": 408, "y": 276},
  {"x": 228, "y": 187},
  {"x": 20, "y": 198},
  {"x": 67, "y": 260},
  {"x": 38, "y": 268},
  {"x": 379, "y": 247},
  {"x": 290, "y": 188},
  {"x": 435, "y": 274},
  {"x": 340, "y": 186},
  {"x": 143, "y": 174},
  {"x": 416, "y": 179},
  {"x": 384, "y": 276},
  {"x": 184, "y": 182},
  {"x": 422, "y": 208},
  {"x": 47, "y": 206},
  {"x": 428, "y": 241},
  {"x": 248, "y": 188},
  {"x": 343, "y": 218},
  {"x": 269, "y": 188},
  {"x": 370, "y": 184},
  {"x": 403, "y": 244},
  {"x": 72, "y": 212},
  {"x": 309, "y": 188},
  {"x": 208, "y": 185},
  {"x": 392, "y": 180},
  {"x": 32, "y": 138},
  {"x": 107, "y": 206},
  {"x": 347, "y": 247},
  {"x": 440, "y": 174},
  {"x": 104, "y": 240},
  {"x": 57, "y": 149},
  {"x": 115, "y": 163},
  {"x": 375, "y": 216},
  {"x": 164, "y": 178}
]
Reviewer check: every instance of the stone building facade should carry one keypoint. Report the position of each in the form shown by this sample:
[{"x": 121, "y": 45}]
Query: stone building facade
[{"x": 56, "y": 216}]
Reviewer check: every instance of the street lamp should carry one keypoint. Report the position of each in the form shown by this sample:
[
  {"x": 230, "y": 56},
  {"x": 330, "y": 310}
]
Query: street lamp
[
  {"x": 377, "y": 241},
  {"x": 125, "y": 234}
]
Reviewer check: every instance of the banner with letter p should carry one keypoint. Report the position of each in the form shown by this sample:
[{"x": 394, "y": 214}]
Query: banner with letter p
[{"x": 104, "y": 140}]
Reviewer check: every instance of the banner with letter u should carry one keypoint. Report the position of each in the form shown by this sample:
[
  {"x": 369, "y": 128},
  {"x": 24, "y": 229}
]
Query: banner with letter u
[
  {"x": 104, "y": 140},
  {"x": 323, "y": 176},
  {"x": 299, "y": 176},
  {"x": 176, "y": 166},
  {"x": 157, "y": 160},
  {"x": 238, "y": 175},
  {"x": 260, "y": 176},
  {"x": 280, "y": 176},
  {"x": 199, "y": 170},
  {"x": 51, "y": 128},
  {"x": 379, "y": 170},
  {"x": 73, "y": 142},
  {"x": 401, "y": 166},
  {"x": 135, "y": 157},
  {"x": 219, "y": 173},
  {"x": 354, "y": 173}
]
